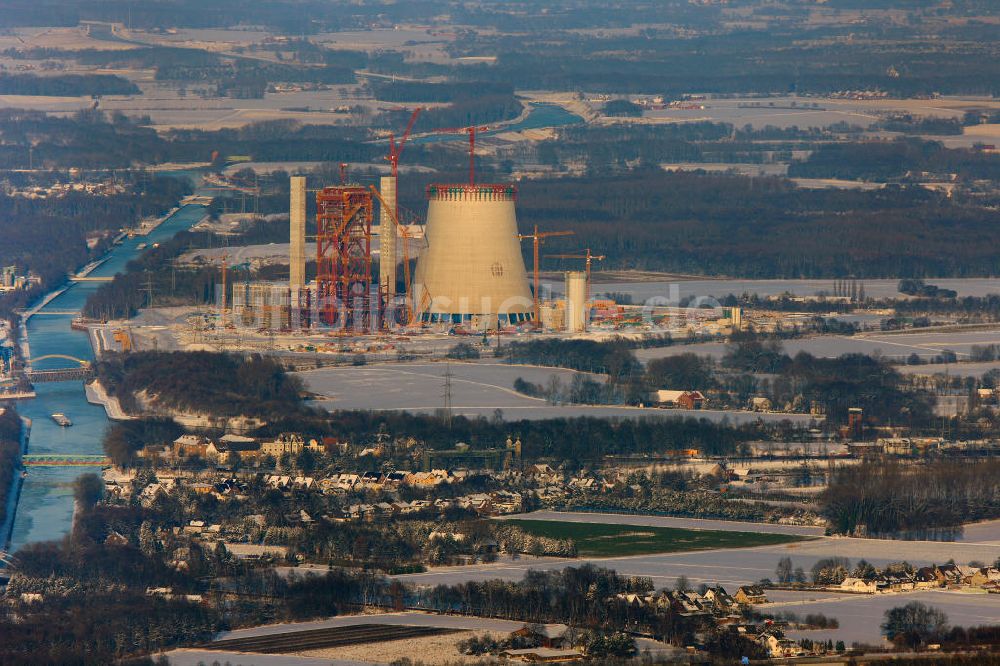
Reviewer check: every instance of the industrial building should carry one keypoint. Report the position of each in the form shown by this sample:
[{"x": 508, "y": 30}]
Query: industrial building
[
  {"x": 472, "y": 271},
  {"x": 345, "y": 294}
]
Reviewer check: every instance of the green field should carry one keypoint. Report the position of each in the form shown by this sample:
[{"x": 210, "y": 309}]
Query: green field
[{"x": 603, "y": 540}]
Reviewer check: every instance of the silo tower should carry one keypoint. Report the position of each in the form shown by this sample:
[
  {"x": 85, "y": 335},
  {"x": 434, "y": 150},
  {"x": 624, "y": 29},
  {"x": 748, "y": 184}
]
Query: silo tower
[{"x": 472, "y": 271}]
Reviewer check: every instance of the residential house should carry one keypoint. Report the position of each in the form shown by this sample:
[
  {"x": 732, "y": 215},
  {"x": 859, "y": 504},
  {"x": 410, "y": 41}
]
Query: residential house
[
  {"x": 543, "y": 474},
  {"x": 983, "y": 576},
  {"x": 966, "y": 573},
  {"x": 303, "y": 482},
  {"x": 153, "y": 490},
  {"x": 289, "y": 443},
  {"x": 721, "y": 600},
  {"x": 230, "y": 488},
  {"x": 394, "y": 479},
  {"x": 779, "y": 647},
  {"x": 189, "y": 446},
  {"x": 924, "y": 579},
  {"x": 860, "y": 585},
  {"x": 686, "y": 604},
  {"x": 948, "y": 574},
  {"x": 750, "y": 594},
  {"x": 681, "y": 399},
  {"x": 634, "y": 601},
  {"x": 340, "y": 483},
  {"x": 278, "y": 481},
  {"x": 426, "y": 479},
  {"x": 896, "y": 582},
  {"x": 547, "y": 635},
  {"x": 230, "y": 446}
]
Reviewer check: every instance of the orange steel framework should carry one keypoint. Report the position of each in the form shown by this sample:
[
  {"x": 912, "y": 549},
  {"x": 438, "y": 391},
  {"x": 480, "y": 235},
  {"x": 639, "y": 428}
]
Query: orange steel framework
[
  {"x": 537, "y": 239},
  {"x": 344, "y": 256}
]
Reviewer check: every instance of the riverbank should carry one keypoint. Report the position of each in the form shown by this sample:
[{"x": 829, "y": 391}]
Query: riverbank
[
  {"x": 14, "y": 496},
  {"x": 147, "y": 227},
  {"x": 98, "y": 395},
  {"x": 45, "y": 503}
]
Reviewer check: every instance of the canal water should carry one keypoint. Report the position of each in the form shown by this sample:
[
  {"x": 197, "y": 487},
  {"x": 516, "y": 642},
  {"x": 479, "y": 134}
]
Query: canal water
[
  {"x": 541, "y": 115},
  {"x": 45, "y": 510}
]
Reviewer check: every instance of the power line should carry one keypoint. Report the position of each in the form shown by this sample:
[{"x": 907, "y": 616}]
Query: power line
[{"x": 447, "y": 395}]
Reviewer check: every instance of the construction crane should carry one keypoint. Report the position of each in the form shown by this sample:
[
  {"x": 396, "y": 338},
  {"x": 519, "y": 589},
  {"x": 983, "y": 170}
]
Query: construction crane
[
  {"x": 406, "y": 253},
  {"x": 471, "y": 131},
  {"x": 537, "y": 239},
  {"x": 587, "y": 257},
  {"x": 396, "y": 149}
]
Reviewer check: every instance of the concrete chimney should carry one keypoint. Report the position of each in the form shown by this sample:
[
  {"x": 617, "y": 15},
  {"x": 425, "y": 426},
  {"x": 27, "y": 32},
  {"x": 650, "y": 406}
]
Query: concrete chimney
[
  {"x": 387, "y": 240},
  {"x": 297, "y": 233}
]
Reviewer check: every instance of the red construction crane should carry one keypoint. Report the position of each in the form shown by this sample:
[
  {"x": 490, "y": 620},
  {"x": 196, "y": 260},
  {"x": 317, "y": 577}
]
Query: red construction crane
[
  {"x": 396, "y": 149},
  {"x": 588, "y": 257},
  {"x": 537, "y": 239},
  {"x": 471, "y": 131}
]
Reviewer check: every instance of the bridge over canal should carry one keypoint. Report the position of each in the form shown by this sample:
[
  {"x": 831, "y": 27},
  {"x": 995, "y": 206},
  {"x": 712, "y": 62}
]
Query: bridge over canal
[
  {"x": 64, "y": 460},
  {"x": 83, "y": 370}
]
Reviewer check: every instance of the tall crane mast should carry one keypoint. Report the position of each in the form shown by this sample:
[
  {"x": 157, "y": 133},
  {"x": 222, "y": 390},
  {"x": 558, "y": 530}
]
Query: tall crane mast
[
  {"x": 471, "y": 131},
  {"x": 587, "y": 257},
  {"x": 396, "y": 149},
  {"x": 537, "y": 239},
  {"x": 387, "y": 275}
]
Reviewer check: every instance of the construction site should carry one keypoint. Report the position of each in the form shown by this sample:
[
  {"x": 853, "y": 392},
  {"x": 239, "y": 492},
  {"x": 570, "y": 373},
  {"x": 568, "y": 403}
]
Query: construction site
[{"x": 379, "y": 281}]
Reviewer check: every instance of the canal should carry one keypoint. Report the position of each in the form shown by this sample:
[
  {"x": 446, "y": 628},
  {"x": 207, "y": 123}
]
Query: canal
[{"x": 45, "y": 510}]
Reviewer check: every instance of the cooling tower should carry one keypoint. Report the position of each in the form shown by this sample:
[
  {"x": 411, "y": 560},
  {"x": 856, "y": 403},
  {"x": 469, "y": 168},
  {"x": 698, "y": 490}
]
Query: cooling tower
[
  {"x": 472, "y": 268},
  {"x": 297, "y": 233},
  {"x": 576, "y": 301},
  {"x": 387, "y": 240}
]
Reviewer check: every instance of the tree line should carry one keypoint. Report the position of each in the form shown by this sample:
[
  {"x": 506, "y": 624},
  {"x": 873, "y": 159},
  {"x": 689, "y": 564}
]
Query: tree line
[
  {"x": 893, "y": 160},
  {"x": 10, "y": 455},
  {"x": 887, "y": 498},
  {"x": 201, "y": 382},
  {"x": 48, "y": 236},
  {"x": 716, "y": 224},
  {"x": 66, "y": 85}
]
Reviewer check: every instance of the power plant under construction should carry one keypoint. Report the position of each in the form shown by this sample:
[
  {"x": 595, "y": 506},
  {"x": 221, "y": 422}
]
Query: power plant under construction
[
  {"x": 470, "y": 274},
  {"x": 470, "y": 271}
]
